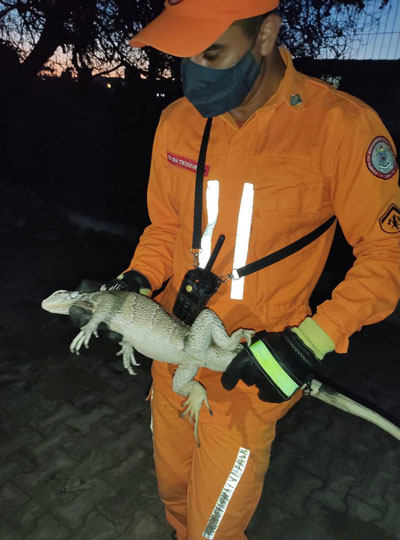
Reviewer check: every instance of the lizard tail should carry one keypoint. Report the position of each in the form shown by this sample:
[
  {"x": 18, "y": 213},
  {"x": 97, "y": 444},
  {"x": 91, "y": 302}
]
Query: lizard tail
[{"x": 327, "y": 394}]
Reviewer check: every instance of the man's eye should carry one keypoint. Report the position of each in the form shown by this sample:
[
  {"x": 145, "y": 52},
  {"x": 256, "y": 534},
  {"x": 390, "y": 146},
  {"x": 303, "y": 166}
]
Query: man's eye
[{"x": 210, "y": 57}]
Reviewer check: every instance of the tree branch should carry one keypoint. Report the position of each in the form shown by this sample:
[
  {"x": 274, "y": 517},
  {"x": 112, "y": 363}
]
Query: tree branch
[{"x": 108, "y": 70}]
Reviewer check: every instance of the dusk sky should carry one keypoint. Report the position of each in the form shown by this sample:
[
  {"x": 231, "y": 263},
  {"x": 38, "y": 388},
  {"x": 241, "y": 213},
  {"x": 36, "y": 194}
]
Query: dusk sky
[{"x": 377, "y": 38}]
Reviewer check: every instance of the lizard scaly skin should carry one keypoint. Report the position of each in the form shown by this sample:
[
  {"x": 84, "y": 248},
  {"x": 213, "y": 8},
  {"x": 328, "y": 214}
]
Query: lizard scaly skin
[{"x": 148, "y": 328}]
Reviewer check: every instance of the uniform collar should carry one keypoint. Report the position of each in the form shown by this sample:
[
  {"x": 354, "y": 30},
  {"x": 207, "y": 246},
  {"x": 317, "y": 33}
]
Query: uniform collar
[
  {"x": 291, "y": 87},
  {"x": 290, "y": 91}
]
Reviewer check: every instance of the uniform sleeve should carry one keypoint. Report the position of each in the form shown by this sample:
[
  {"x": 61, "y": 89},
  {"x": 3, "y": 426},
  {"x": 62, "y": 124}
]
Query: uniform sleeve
[
  {"x": 154, "y": 253},
  {"x": 365, "y": 194}
]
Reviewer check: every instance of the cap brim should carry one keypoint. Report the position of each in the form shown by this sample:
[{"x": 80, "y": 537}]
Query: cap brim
[{"x": 179, "y": 36}]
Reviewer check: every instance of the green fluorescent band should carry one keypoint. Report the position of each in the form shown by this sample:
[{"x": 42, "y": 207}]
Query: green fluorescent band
[{"x": 273, "y": 369}]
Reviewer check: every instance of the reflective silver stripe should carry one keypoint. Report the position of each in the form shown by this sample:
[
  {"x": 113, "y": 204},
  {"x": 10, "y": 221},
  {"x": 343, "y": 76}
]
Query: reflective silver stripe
[
  {"x": 242, "y": 238},
  {"x": 212, "y": 196},
  {"x": 226, "y": 494}
]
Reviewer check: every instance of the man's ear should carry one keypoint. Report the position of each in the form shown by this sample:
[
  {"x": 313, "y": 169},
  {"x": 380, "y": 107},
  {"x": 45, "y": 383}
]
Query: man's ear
[{"x": 268, "y": 33}]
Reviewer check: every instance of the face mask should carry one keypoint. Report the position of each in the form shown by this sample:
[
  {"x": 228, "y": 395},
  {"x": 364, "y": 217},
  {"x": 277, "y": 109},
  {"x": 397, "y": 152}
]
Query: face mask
[{"x": 215, "y": 91}]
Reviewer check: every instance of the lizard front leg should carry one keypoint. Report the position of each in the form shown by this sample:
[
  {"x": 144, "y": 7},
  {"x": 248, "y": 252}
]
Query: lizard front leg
[
  {"x": 100, "y": 314},
  {"x": 183, "y": 385},
  {"x": 87, "y": 331}
]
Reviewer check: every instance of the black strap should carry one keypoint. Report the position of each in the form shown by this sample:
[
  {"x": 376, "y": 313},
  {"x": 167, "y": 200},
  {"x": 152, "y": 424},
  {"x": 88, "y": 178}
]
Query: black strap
[
  {"x": 286, "y": 251},
  {"x": 198, "y": 192},
  {"x": 198, "y": 207}
]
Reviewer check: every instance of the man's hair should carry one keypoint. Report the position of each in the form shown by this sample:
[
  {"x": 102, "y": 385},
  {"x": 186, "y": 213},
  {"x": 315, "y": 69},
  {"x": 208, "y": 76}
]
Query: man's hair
[{"x": 251, "y": 25}]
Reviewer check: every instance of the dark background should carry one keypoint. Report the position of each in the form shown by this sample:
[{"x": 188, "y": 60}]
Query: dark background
[
  {"x": 73, "y": 178},
  {"x": 74, "y": 163},
  {"x": 89, "y": 149}
]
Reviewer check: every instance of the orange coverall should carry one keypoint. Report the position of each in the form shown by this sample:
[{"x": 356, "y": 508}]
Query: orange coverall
[{"x": 300, "y": 158}]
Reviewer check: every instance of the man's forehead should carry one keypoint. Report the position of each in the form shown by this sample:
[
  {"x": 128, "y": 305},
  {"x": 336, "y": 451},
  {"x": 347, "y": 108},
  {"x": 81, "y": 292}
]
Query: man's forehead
[
  {"x": 215, "y": 47},
  {"x": 227, "y": 39}
]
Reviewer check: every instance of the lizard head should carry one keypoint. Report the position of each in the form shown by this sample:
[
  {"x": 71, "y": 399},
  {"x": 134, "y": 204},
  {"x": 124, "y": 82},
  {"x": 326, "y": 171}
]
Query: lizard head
[{"x": 61, "y": 301}]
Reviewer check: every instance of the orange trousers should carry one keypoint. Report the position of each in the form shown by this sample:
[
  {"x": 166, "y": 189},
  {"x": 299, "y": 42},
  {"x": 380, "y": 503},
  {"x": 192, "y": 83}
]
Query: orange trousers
[{"x": 209, "y": 492}]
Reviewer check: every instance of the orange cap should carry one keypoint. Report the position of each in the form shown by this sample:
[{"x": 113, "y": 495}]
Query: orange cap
[{"x": 188, "y": 27}]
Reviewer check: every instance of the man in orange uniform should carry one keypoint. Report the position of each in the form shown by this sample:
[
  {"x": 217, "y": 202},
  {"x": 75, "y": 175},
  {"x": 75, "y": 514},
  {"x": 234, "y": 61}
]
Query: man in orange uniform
[{"x": 285, "y": 153}]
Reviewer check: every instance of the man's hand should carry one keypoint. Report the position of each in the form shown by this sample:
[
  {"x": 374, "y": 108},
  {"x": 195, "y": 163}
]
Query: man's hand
[
  {"x": 279, "y": 363},
  {"x": 129, "y": 281}
]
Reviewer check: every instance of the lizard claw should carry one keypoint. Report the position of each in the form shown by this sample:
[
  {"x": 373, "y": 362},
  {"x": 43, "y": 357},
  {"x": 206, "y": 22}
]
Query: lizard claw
[
  {"x": 193, "y": 405},
  {"x": 77, "y": 343},
  {"x": 193, "y": 417},
  {"x": 83, "y": 338},
  {"x": 128, "y": 356},
  {"x": 209, "y": 408},
  {"x": 248, "y": 335}
]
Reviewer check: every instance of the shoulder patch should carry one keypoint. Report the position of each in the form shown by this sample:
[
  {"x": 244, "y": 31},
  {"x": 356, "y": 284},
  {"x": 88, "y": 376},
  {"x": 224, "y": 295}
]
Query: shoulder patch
[
  {"x": 380, "y": 158},
  {"x": 390, "y": 221}
]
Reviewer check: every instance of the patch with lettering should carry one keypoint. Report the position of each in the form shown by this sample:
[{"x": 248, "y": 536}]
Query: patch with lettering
[
  {"x": 185, "y": 163},
  {"x": 390, "y": 221},
  {"x": 380, "y": 158}
]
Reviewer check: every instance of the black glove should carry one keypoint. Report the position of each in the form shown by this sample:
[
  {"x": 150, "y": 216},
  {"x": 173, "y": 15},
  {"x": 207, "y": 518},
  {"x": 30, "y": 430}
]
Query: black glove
[
  {"x": 130, "y": 281},
  {"x": 278, "y": 363}
]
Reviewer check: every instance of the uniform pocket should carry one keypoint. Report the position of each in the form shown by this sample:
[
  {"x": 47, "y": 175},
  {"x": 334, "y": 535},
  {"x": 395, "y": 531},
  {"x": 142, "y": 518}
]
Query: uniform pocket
[{"x": 289, "y": 197}]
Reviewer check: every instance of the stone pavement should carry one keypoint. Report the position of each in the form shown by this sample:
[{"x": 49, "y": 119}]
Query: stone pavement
[
  {"x": 76, "y": 454},
  {"x": 76, "y": 449}
]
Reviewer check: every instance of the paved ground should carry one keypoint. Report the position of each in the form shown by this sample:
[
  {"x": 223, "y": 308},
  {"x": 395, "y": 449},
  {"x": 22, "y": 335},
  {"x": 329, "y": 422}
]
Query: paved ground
[
  {"x": 76, "y": 456},
  {"x": 76, "y": 450}
]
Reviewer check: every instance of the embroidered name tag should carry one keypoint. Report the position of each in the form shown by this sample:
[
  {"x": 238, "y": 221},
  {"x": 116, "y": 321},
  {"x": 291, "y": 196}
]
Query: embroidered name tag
[{"x": 185, "y": 163}]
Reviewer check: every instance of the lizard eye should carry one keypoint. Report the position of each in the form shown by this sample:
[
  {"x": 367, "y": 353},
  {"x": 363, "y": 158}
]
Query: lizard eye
[{"x": 74, "y": 294}]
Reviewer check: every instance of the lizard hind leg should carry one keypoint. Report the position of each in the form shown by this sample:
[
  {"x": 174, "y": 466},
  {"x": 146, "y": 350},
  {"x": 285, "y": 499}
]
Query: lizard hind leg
[
  {"x": 128, "y": 355},
  {"x": 193, "y": 404},
  {"x": 208, "y": 328},
  {"x": 195, "y": 392}
]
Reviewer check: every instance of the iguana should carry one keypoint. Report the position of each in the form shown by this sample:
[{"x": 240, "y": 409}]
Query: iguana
[{"x": 148, "y": 328}]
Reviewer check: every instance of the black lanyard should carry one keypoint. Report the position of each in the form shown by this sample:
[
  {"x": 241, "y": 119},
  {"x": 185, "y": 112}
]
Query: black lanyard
[
  {"x": 198, "y": 194},
  {"x": 260, "y": 263}
]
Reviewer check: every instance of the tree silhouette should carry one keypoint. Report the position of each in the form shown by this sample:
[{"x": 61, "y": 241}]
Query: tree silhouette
[
  {"x": 94, "y": 34},
  {"x": 35, "y": 28},
  {"x": 314, "y": 27}
]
